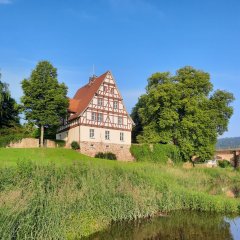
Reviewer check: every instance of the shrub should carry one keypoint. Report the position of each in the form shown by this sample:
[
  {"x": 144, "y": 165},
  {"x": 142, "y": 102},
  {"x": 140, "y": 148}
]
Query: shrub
[
  {"x": 100, "y": 155},
  {"x": 7, "y": 139},
  {"x": 110, "y": 156},
  {"x": 141, "y": 152},
  {"x": 107, "y": 155},
  {"x": 75, "y": 145},
  {"x": 60, "y": 143},
  {"x": 14, "y": 134},
  {"x": 158, "y": 153},
  {"x": 224, "y": 163}
]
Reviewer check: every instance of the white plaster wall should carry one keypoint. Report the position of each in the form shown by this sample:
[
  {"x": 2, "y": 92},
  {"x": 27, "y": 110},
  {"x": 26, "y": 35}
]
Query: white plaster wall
[
  {"x": 73, "y": 134},
  {"x": 99, "y": 135},
  {"x": 62, "y": 136},
  {"x": 70, "y": 135},
  {"x": 94, "y": 101}
]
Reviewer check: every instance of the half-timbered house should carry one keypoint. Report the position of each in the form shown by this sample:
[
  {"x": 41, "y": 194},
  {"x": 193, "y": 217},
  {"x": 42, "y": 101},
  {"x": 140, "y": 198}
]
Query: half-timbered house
[{"x": 98, "y": 120}]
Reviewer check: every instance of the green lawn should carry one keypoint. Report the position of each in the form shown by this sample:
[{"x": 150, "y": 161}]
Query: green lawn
[
  {"x": 59, "y": 156},
  {"x": 61, "y": 194}
]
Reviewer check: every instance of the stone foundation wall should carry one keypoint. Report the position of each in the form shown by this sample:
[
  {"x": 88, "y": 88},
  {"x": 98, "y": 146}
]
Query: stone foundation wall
[
  {"x": 31, "y": 143},
  {"x": 226, "y": 155},
  {"x": 25, "y": 143},
  {"x": 122, "y": 151},
  {"x": 50, "y": 144}
]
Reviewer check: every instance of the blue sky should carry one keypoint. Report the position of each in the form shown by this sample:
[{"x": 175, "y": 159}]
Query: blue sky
[{"x": 132, "y": 38}]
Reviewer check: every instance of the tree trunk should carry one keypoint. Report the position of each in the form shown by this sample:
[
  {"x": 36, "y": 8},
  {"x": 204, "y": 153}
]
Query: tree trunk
[
  {"x": 42, "y": 136},
  {"x": 235, "y": 160}
]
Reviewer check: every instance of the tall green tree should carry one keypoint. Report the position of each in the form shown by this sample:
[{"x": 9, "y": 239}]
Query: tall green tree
[
  {"x": 182, "y": 110},
  {"x": 44, "y": 102},
  {"x": 9, "y": 109}
]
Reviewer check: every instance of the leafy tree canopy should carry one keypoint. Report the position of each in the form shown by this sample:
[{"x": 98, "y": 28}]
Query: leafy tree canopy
[
  {"x": 44, "y": 101},
  {"x": 182, "y": 110},
  {"x": 9, "y": 109}
]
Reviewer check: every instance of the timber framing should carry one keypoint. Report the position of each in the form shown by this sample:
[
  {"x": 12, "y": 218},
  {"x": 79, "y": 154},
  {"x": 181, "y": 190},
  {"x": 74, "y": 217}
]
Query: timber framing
[
  {"x": 98, "y": 119},
  {"x": 105, "y": 104}
]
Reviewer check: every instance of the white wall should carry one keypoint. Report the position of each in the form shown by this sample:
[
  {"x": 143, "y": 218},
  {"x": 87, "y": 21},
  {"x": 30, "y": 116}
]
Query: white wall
[
  {"x": 99, "y": 135},
  {"x": 62, "y": 136},
  {"x": 70, "y": 135}
]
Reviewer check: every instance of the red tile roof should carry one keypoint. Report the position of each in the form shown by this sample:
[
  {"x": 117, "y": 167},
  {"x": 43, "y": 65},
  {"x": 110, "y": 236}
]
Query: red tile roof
[
  {"x": 84, "y": 95},
  {"x": 74, "y": 105}
]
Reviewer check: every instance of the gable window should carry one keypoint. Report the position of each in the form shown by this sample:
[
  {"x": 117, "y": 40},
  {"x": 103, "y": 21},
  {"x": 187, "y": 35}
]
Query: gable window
[
  {"x": 94, "y": 116},
  {"x": 91, "y": 133},
  {"x": 112, "y": 90},
  {"x": 107, "y": 135},
  {"x": 121, "y": 136},
  {"x": 100, "y": 117},
  {"x": 104, "y": 88},
  {"x": 100, "y": 102},
  {"x": 115, "y": 104},
  {"x": 120, "y": 120}
]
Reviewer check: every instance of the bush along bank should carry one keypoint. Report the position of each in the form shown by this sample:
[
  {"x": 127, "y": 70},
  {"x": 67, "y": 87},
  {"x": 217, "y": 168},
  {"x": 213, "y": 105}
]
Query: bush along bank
[
  {"x": 159, "y": 153},
  {"x": 49, "y": 202}
]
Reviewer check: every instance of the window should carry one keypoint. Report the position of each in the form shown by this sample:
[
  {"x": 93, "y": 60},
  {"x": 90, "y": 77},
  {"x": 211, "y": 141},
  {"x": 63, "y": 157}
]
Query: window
[
  {"x": 107, "y": 135},
  {"x": 112, "y": 90},
  {"x": 91, "y": 133},
  {"x": 65, "y": 121},
  {"x": 120, "y": 121},
  {"x": 100, "y": 102},
  {"x": 94, "y": 116},
  {"x": 121, "y": 136},
  {"x": 100, "y": 117},
  {"x": 104, "y": 88},
  {"x": 115, "y": 104}
]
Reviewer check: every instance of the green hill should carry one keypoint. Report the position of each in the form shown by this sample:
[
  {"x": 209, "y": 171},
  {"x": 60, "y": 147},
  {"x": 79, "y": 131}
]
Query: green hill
[
  {"x": 40, "y": 156},
  {"x": 223, "y": 143},
  {"x": 61, "y": 194}
]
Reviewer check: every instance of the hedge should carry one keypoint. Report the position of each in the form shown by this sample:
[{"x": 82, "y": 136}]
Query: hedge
[{"x": 155, "y": 152}]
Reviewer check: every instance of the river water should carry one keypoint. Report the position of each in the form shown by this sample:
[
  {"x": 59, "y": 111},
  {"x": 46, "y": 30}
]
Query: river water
[{"x": 177, "y": 225}]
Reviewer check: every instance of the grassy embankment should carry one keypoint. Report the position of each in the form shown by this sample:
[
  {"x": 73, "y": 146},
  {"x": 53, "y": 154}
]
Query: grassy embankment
[{"x": 61, "y": 194}]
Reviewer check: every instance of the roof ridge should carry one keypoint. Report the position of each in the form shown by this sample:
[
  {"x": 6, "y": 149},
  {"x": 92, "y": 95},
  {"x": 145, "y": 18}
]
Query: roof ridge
[
  {"x": 86, "y": 93},
  {"x": 89, "y": 85}
]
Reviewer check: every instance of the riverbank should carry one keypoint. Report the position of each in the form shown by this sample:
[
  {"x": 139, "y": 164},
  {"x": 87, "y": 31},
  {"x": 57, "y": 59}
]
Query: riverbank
[
  {"x": 61, "y": 194},
  {"x": 187, "y": 225}
]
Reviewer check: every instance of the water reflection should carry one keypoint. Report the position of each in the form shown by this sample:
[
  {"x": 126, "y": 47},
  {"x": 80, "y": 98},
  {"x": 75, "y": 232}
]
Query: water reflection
[
  {"x": 178, "y": 225},
  {"x": 234, "y": 227}
]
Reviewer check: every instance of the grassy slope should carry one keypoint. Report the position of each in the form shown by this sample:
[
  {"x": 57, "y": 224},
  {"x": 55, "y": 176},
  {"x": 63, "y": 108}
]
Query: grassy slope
[
  {"x": 10, "y": 157},
  {"x": 83, "y": 195}
]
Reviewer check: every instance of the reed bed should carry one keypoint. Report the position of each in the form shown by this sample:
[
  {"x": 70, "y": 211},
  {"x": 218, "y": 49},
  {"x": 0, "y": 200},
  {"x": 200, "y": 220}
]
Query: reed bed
[{"x": 69, "y": 201}]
